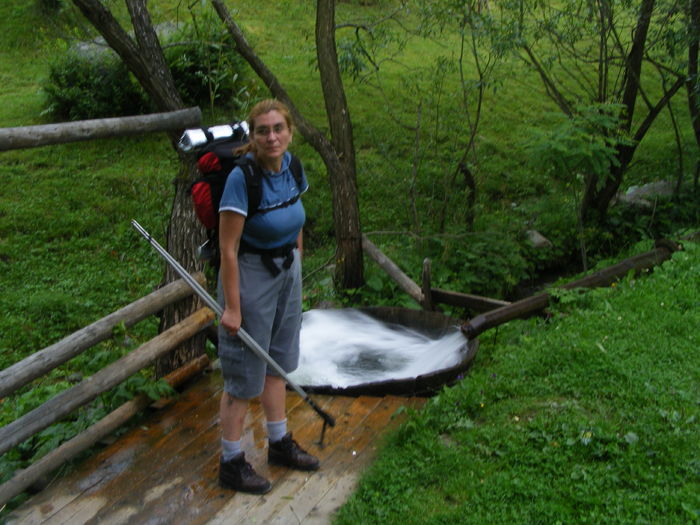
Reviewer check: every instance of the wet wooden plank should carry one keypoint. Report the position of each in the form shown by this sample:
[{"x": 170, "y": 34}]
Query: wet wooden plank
[
  {"x": 288, "y": 495},
  {"x": 298, "y": 494},
  {"x": 188, "y": 484},
  {"x": 322, "y": 495},
  {"x": 178, "y": 476},
  {"x": 285, "y": 482},
  {"x": 165, "y": 470},
  {"x": 305, "y": 426},
  {"x": 59, "y": 503}
]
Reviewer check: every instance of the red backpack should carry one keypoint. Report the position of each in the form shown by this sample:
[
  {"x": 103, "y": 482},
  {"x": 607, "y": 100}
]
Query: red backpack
[{"x": 215, "y": 161}]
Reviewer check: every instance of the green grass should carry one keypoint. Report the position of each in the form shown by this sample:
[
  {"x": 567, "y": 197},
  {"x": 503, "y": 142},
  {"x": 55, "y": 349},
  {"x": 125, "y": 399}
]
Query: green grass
[
  {"x": 590, "y": 417},
  {"x": 67, "y": 249}
]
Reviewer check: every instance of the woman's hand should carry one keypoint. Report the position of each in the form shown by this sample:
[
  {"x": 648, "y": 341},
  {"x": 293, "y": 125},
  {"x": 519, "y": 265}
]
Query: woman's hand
[{"x": 231, "y": 320}]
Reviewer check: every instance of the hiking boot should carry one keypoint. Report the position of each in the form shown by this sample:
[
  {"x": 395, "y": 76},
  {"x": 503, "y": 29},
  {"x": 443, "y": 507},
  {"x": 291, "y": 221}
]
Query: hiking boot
[
  {"x": 287, "y": 453},
  {"x": 238, "y": 474}
]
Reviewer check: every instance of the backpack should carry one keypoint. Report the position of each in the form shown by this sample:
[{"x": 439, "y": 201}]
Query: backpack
[{"x": 215, "y": 161}]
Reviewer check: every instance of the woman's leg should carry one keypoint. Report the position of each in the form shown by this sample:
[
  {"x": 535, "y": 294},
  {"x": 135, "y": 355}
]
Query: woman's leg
[
  {"x": 284, "y": 450},
  {"x": 232, "y": 413},
  {"x": 273, "y": 398},
  {"x": 235, "y": 472}
]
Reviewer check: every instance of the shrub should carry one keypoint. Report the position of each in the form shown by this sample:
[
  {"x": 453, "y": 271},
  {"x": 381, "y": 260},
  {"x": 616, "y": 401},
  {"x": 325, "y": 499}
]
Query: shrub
[
  {"x": 50, "y": 6},
  {"x": 91, "y": 85},
  {"x": 205, "y": 65},
  {"x": 95, "y": 84},
  {"x": 488, "y": 263}
]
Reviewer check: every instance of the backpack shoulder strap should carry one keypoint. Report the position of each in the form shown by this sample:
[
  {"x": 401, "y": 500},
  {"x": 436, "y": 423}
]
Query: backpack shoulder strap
[
  {"x": 253, "y": 180},
  {"x": 295, "y": 167},
  {"x": 253, "y": 183}
]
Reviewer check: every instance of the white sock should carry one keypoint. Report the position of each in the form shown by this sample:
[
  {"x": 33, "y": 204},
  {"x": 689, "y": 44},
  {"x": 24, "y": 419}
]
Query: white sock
[
  {"x": 230, "y": 449},
  {"x": 276, "y": 430}
]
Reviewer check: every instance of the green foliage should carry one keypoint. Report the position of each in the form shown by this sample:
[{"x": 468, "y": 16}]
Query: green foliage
[
  {"x": 591, "y": 417},
  {"x": 580, "y": 57},
  {"x": 488, "y": 264},
  {"x": 85, "y": 82},
  {"x": 206, "y": 68},
  {"x": 579, "y": 149},
  {"x": 50, "y": 7},
  {"x": 68, "y": 257},
  {"x": 23, "y": 23},
  {"x": 91, "y": 85},
  {"x": 583, "y": 144},
  {"x": 139, "y": 384},
  {"x": 351, "y": 57}
]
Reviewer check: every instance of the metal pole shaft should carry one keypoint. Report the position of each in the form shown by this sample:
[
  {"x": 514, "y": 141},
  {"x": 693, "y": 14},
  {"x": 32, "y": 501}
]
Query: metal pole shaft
[{"x": 242, "y": 334}]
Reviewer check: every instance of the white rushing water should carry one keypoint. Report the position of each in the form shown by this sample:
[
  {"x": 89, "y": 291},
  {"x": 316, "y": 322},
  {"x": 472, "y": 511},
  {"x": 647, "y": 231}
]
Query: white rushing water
[{"x": 342, "y": 348}]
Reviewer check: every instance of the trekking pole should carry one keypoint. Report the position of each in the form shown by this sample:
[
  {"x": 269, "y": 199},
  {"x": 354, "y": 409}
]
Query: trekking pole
[{"x": 242, "y": 334}]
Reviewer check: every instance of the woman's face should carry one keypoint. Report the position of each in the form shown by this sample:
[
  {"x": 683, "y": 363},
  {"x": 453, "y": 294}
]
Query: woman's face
[{"x": 272, "y": 137}]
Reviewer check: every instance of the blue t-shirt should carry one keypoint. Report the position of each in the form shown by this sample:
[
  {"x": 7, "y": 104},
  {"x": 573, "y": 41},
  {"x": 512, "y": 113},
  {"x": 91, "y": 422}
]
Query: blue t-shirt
[{"x": 276, "y": 227}]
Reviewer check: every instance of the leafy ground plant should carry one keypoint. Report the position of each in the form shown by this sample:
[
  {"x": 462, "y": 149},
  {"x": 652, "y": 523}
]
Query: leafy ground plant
[{"x": 590, "y": 417}]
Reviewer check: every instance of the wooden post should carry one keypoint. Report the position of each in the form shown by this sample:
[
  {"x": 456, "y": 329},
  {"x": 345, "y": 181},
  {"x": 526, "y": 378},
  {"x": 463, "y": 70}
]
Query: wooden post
[
  {"x": 24, "y": 478},
  {"x": 44, "y": 135},
  {"x": 52, "y": 356},
  {"x": 403, "y": 280},
  {"x": 427, "y": 292},
  {"x": 110, "y": 376}
]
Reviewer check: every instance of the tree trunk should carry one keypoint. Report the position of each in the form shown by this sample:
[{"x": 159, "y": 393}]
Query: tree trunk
[
  {"x": 349, "y": 270},
  {"x": 144, "y": 58},
  {"x": 693, "y": 84},
  {"x": 338, "y": 155},
  {"x": 625, "y": 153},
  {"x": 184, "y": 235},
  {"x": 597, "y": 197}
]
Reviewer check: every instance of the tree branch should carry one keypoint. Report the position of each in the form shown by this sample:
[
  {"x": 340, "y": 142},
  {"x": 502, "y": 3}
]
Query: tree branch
[
  {"x": 308, "y": 130},
  {"x": 551, "y": 88}
]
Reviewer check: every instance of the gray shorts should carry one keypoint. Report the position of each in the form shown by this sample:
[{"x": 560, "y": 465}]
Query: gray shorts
[{"x": 271, "y": 312}]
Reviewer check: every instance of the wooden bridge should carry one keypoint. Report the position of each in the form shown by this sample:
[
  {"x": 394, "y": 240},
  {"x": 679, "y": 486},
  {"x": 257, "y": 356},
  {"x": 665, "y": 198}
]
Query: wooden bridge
[{"x": 165, "y": 469}]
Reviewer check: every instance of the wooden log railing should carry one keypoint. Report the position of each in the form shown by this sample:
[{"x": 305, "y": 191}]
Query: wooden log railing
[
  {"x": 79, "y": 395},
  {"x": 24, "y": 478},
  {"x": 403, "y": 280},
  {"x": 60, "y": 133},
  {"x": 107, "y": 378},
  {"x": 43, "y": 361}
]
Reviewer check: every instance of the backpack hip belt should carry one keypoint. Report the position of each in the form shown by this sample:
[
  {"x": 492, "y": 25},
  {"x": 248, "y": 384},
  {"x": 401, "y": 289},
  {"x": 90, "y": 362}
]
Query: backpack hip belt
[{"x": 267, "y": 256}]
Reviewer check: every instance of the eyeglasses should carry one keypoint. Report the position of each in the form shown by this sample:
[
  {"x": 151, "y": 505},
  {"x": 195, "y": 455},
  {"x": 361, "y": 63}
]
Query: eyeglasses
[{"x": 264, "y": 131}]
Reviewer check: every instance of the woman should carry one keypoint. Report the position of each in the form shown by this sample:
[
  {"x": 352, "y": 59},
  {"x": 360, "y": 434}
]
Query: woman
[{"x": 260, "y": 285}]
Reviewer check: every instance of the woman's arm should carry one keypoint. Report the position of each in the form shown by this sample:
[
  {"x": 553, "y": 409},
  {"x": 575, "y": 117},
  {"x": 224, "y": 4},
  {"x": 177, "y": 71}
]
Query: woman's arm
[{"x": 230, "y": 230}]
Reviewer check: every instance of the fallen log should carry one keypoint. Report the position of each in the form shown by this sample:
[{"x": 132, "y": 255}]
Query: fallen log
[
  {"x": 109, "y": 377},
  {"x": 61, "y": 133},
  {"x": 41, "y": 362},
  {"x": 22, "y": 479},
  {"x": 663, "y": 251}
]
